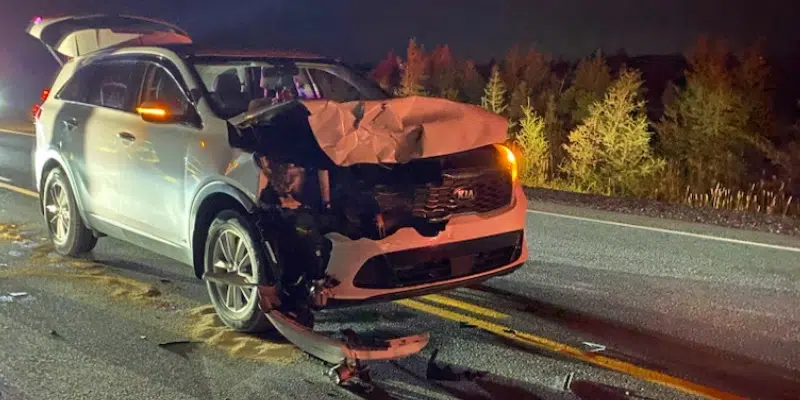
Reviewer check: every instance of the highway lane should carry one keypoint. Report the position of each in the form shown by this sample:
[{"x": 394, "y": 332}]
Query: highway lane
[{"x": 716, "y": 312}]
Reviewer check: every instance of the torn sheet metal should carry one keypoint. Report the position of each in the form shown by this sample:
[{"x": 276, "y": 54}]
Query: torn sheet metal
[{"x": 375, "y": 131}]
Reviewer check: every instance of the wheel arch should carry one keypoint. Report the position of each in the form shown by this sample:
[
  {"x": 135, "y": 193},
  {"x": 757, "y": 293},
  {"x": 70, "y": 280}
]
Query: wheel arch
[
  {"x": 50, "y": 163},
  {"x": 210, "y": 201}
]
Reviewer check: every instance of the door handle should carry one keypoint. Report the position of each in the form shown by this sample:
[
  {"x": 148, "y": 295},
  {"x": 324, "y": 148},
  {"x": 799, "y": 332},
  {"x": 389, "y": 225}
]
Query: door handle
[
  {"x": 126, "y": 136},
  {"x": 70, "y": 123}
]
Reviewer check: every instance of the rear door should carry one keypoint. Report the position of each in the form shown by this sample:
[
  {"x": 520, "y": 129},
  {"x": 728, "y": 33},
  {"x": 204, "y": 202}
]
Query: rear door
[
  {"x": 94, "y": 127},
  {"x": 73, "y": 36}
]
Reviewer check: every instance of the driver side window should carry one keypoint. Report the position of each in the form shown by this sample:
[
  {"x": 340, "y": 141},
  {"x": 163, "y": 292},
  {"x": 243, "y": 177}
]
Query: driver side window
[{"x": 161, "y": 87}]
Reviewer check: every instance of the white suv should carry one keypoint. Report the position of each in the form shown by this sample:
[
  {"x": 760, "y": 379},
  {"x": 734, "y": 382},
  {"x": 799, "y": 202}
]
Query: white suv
[{"x": 263, "y": 172}]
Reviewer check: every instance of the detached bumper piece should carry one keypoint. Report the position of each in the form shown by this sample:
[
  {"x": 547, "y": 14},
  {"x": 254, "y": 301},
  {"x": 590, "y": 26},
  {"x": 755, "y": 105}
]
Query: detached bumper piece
[{"x": 347, "y": 355}]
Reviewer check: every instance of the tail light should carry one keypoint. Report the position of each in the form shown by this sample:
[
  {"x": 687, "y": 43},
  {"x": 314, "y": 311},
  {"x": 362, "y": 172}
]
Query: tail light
[{"x": 36, "y": 110}]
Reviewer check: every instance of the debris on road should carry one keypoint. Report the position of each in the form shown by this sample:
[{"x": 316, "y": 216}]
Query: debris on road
[
  {"x": 10, "y": 232},
  {"x": 16, "y": 253},
  {"x": 181, "y": 347},
  {"x": 594, "y": 347},
  {"x": 143, "y": 337},
  {"x": 447, "y": 372},
  {"x": 15, "y": 296}
]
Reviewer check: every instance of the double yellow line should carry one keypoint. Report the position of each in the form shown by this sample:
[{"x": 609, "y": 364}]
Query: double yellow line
[
  {"x": 424, "y": 304},
  {"x": 432, "y": 304}
]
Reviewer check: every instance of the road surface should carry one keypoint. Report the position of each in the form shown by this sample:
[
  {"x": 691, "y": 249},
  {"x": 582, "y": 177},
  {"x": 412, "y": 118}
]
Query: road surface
[{"x": 682, "y": 310}]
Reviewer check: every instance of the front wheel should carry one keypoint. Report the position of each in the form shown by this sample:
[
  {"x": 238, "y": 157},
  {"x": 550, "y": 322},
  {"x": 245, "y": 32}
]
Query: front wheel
[
  {"x": 231, "y": 248},
  {"x": 66, "y": 229}
]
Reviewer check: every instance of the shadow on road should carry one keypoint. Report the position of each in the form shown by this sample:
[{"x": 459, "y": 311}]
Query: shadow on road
[
  {"x": 453, "y": 380},
  {"x": 705, "y": 365}
]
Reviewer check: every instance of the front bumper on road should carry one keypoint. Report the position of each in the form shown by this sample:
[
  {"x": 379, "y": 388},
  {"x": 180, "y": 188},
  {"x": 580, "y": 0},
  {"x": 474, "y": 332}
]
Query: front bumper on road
[{"x": 472, "y": 248}]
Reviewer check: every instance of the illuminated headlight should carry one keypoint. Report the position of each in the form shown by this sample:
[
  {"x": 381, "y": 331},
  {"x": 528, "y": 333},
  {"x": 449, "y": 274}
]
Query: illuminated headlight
[{"x": 510, "y": 160}]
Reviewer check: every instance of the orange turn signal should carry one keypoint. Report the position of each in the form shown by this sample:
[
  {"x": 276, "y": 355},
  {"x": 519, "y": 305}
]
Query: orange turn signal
[
  {"x": 152, "y": 111},
  {"x": 510, "y": 159}
]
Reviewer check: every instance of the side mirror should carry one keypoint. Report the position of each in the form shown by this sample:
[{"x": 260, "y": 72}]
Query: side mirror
[{"x": 161, "y": 113}]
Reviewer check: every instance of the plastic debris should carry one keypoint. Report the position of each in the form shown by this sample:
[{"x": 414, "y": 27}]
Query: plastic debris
[
  {"x": 6, "y": 299},
  {"x": 143, "y": 337},
  {"x": 18, "y": 294},
  {"x": 594, "y": 347},
  {"x": 15, "y": 253}
]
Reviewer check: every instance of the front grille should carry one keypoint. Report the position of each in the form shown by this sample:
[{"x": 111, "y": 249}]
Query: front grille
[
  {"x": 435, "y": 264},
  {"x": 464, "y": 191}
]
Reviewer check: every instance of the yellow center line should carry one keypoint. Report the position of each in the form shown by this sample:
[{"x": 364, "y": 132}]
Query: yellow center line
[
  {"x": 563, "y": 349},
  {"x": 19, "y": 190},
  {"x": 529, "y": 339},
  {"x": 475, "y": 309}
]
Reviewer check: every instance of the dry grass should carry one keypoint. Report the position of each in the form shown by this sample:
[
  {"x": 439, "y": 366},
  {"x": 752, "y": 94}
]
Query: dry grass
[{"x": 761, "y": 198}]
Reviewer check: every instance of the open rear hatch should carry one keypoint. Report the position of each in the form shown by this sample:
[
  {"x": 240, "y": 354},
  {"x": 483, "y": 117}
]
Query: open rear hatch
[{"x": 73, "y": 36}]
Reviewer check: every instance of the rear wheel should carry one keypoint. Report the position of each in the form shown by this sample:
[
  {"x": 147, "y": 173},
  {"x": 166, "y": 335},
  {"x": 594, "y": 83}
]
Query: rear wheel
[
  {"x": 231, "y": 247},
  {"x": 66, "y": 229}
]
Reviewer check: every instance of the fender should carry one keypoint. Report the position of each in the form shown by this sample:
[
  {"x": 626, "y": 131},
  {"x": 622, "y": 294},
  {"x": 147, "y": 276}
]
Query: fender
[
  {"x": 53, "y": 155},
  {"x": 212, "y": 188}
]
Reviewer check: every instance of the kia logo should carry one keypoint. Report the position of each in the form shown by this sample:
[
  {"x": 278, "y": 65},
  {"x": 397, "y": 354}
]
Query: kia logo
[{"x": 464, "y": 194}]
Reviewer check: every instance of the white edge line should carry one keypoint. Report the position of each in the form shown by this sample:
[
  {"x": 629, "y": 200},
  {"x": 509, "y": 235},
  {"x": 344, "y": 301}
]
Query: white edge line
[
  {"x": 670, "y": 231},
  {"x": 16, "y": 132}
]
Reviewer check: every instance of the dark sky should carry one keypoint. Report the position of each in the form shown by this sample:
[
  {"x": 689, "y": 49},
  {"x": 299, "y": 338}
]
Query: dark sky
[{"x": 362, "y": 30}]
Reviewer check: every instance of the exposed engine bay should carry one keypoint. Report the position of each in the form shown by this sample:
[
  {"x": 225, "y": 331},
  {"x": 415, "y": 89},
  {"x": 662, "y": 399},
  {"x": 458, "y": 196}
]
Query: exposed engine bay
[{"x": 304, "y": 195}]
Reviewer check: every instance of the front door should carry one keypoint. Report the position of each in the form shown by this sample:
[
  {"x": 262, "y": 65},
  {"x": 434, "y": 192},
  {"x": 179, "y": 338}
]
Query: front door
[{"x": 155, "y": 161}]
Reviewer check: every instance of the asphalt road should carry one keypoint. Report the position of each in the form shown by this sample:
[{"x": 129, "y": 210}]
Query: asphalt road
[{"x": 680, "y": 308}]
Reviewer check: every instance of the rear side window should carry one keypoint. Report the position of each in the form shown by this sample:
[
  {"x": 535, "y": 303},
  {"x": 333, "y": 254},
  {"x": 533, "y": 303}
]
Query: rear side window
[
  {"x": 116, "y": 85},
  {"x": 77, "y": 88}
]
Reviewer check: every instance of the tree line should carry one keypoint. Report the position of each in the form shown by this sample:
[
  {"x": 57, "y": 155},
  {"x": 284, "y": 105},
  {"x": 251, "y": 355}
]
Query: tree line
[{"x": 716, "y": 141}]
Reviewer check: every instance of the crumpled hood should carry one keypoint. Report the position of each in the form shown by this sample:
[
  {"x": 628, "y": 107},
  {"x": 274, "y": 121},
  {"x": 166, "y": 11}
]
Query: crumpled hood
[{"x": 389, "y": 131}]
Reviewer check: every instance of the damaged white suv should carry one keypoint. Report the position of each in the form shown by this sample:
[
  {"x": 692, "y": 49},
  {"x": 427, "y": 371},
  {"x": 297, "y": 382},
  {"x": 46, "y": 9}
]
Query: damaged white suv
[{"x": 286, "y": 180}]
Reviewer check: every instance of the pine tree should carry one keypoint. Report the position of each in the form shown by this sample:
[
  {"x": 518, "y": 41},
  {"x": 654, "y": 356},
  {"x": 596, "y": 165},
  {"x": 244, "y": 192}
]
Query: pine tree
[
  {"x": 494, "y": 95},
  {"x": 704, "y": 129},
  {"x": 520, "y": 98},
  {"x": 444, "y": 77},
  {"x": 592, "y": 78},
  {"x": 413, "y": 71},
  {"x": 472, "y": 83},
  {"x": 610, "y": 151},
  {"x": 531, "y": 142}
]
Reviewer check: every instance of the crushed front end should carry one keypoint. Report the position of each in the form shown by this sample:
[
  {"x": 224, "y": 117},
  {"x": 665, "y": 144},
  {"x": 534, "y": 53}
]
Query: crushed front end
[
  {"x": 367, "y": 202},
  {"x": 345, "y": 226}
]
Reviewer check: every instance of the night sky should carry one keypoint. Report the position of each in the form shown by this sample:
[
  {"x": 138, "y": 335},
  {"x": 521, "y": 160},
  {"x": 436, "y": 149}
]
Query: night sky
[{"x": 361, "y": 30}]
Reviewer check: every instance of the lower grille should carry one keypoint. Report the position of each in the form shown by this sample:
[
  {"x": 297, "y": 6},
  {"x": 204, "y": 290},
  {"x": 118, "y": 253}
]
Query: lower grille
[
  {"x": 434, "y": 264},
  {"x": 461, "y": 192}
]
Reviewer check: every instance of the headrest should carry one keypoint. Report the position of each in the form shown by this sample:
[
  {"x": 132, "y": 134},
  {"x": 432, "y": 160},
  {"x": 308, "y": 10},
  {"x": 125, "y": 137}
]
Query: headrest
[{"x": 228, "y": 82}]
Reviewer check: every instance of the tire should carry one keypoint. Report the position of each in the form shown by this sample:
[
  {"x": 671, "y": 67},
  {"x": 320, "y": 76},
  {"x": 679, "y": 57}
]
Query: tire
[
  {"x": 232, "y": 226},
  {"x": 65, "y": 227}
]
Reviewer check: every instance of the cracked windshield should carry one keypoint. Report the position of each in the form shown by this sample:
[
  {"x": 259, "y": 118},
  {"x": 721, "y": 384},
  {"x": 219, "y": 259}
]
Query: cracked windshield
[{"x": 399, "y": 200}]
